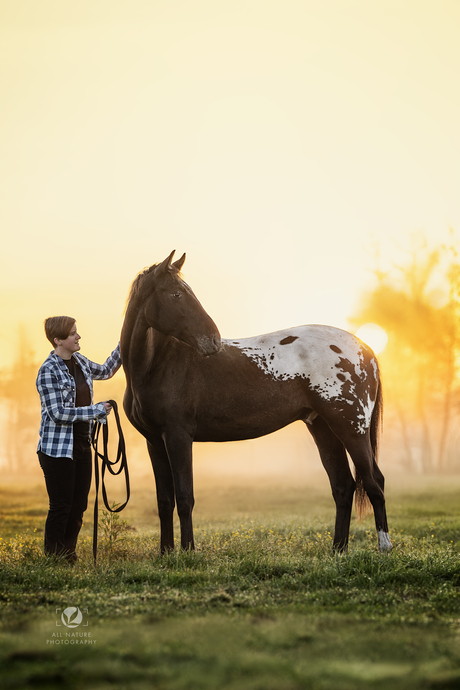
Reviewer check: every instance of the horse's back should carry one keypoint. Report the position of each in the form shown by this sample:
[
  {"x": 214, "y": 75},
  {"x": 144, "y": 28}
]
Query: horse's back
[{"x": 327, "y": 356}]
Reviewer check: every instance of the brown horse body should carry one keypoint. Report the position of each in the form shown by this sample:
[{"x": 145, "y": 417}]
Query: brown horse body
[{"x": 184, "y": 384}]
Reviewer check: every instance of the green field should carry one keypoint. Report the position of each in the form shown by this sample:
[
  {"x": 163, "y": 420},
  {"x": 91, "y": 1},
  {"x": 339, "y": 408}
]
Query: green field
[{"x": 262, "y": 604}]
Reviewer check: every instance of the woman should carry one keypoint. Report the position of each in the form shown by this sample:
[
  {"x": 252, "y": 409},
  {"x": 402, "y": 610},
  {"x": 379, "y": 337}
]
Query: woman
[{"x": 65, "y": 386}]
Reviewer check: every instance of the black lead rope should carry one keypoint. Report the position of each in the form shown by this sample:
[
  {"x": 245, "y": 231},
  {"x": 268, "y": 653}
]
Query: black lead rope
[{"x": 109, "y": 465}]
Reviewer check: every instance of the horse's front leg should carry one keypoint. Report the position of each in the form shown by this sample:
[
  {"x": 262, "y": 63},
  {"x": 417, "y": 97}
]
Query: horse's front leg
[
  {"x": 165, "y": 491},
  {"x": 179, "y": 448}
]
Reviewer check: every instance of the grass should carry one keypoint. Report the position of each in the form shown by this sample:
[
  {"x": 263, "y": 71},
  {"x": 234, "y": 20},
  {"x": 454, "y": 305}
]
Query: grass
[{"x": 261, "y": 604}]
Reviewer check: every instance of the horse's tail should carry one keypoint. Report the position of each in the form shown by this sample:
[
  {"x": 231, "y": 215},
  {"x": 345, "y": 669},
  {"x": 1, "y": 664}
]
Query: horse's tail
[{"x": 362, "y": 503}]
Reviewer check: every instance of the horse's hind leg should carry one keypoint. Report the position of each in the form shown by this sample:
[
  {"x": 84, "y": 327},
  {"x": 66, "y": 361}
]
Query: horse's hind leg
[
  {"x": 165, "y": 491},
  {"x": 373, "y": 481},
  {"x": 335, "y": 461}
]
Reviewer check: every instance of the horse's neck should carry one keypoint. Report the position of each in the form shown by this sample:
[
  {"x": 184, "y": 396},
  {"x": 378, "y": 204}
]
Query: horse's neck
[{"x": 138, "y": 342}]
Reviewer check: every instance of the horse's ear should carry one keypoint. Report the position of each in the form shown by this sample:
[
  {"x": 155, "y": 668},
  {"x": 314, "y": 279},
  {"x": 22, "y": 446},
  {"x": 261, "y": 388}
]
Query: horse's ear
[
  {"x": 179, "y": 263},
  {"x": 165, "y": 265}
]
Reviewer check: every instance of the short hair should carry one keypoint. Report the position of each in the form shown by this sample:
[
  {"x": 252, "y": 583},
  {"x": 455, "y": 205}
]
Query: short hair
[{"x": 58, "y": 327}]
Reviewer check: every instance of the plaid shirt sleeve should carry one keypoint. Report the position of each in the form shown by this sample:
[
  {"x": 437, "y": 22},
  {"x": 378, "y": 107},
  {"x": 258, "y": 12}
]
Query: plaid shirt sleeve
[
  {"x": 57, "y": 395},
  {"x": 106, "y": 370},
  {"x": 57, "y": 398}
]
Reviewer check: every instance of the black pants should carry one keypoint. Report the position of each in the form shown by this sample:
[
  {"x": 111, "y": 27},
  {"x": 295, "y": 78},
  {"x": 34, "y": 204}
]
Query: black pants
[{"x": 68, "y": 482}]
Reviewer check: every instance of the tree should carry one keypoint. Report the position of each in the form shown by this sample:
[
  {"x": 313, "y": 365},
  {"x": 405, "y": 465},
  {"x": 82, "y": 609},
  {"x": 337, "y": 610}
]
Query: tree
[
  {"x": 418, "y": 306},
  {"x": 23, "y": 405}
]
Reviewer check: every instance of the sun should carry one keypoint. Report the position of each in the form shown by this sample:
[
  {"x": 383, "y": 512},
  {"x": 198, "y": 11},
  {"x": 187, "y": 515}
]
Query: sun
[{"x": 374, "y": 336}]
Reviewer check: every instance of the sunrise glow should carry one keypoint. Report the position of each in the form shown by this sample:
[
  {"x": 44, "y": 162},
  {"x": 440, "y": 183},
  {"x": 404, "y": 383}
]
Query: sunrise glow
[{"x": 374, "y": 336}]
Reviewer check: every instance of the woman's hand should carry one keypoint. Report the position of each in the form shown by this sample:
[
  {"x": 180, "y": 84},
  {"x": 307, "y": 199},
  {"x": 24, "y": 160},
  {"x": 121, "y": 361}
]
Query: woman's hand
[{"x": 108, "y": 407}]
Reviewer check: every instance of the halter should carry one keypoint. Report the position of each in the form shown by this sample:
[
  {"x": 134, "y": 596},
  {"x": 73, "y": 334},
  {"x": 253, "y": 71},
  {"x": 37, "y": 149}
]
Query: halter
[{"x": 108, "y": 464}]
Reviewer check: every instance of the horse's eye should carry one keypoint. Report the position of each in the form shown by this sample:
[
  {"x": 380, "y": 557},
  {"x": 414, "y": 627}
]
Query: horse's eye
[{"x": 177, "y": 294}]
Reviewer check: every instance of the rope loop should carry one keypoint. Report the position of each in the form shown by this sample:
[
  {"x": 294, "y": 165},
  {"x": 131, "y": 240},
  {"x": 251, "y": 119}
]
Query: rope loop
[{"x": 107, "y": 464}]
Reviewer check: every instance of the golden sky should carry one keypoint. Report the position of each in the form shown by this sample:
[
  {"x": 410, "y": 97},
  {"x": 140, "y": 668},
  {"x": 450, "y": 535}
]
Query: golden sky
[{"x": 274, "y": 141}]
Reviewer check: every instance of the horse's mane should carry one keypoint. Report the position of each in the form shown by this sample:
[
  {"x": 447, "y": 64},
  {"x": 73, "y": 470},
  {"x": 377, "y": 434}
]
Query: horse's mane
[{"x": 135, "y": 285}]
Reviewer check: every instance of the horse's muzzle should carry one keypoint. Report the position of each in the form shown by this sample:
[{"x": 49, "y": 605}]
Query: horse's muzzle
[{"x": 208, "y": 346}]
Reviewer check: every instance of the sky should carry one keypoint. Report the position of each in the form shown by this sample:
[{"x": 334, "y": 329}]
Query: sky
[{"x": 280, "y": 144}]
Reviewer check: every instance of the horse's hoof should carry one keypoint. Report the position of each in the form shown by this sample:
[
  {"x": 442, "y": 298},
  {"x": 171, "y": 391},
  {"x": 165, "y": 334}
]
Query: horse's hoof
[{"x": 385, "y": 544}]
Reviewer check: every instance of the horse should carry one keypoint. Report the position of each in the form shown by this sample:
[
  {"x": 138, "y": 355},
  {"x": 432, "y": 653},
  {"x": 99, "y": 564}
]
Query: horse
[{"x": 184, "y": 384}]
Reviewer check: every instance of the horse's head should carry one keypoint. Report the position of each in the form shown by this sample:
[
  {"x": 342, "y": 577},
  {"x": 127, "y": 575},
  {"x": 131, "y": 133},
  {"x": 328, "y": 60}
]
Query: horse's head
[{"x": 171, "y": 307}]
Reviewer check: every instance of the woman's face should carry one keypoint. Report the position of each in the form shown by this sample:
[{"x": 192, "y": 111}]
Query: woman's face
[{"x": 70, "y": 344}]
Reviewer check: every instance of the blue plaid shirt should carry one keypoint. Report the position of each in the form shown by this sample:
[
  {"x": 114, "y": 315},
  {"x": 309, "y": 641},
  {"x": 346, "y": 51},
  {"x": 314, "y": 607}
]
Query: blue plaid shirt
[{"x": 57, "y": 391}]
